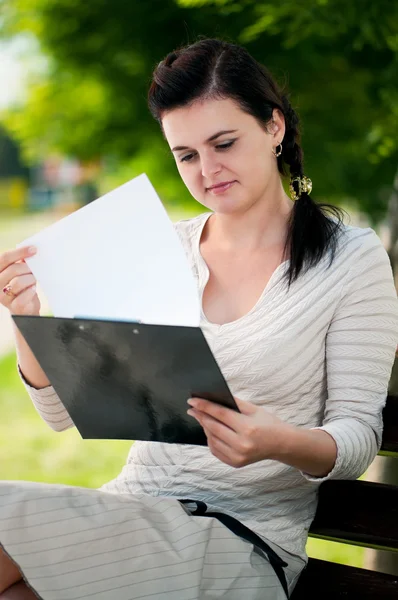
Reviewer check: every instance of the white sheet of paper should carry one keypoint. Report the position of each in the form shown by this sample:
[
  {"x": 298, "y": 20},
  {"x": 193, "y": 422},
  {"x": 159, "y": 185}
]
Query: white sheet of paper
[{"x": 117, "y": 258}]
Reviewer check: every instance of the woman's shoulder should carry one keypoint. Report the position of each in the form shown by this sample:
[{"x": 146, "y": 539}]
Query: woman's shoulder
[
  {"x": 355, "y": 241},
  {"x": 188, "y": 229},
  {"x": 359, "y": 249}
]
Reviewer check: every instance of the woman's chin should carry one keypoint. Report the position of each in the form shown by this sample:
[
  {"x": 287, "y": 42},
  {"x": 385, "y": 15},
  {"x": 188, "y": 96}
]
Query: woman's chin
[
  {"x": 222, "y": 204},
  {"x": 226, "y": 206}
]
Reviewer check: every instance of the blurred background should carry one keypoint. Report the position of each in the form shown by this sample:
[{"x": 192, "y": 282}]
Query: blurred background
[{"x": 74, "y": 125}]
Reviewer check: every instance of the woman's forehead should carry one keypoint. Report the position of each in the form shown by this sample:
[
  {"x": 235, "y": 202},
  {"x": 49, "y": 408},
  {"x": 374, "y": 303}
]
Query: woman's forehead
[{"x": 199, "y": 121}]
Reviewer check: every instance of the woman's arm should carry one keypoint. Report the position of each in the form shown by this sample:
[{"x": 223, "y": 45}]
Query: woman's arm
[
  {"x": 29, "y": 367},
  {"x": 360, "y": 351},
  {"x": 255, "y": 434},
  {"x": 18, "y": 295},
  {"x": 44, "y": 397},
  {"x": 311, "y": 451}
]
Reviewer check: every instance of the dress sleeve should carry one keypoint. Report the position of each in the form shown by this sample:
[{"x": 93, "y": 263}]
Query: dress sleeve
[
  {"x": 360, "y": 349},
  {"x": 48, "y": 405}
]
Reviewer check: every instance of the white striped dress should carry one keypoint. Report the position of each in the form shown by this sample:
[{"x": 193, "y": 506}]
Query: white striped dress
[{"x": 318, "y": 356}]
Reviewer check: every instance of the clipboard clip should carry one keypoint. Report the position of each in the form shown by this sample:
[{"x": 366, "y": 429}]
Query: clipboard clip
[{"x": 88, "y": 318}]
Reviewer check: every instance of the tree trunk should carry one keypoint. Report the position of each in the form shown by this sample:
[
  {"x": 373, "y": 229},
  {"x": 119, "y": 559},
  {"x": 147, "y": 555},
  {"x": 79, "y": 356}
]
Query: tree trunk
[{"x": 392, "y": 216}]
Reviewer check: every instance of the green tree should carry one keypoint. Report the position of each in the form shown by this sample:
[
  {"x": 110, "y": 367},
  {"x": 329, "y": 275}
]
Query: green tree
[{"x": 340, "y": 62}]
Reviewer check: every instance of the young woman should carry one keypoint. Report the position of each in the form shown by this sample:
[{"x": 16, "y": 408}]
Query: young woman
[{"x": 301, "y": 313}]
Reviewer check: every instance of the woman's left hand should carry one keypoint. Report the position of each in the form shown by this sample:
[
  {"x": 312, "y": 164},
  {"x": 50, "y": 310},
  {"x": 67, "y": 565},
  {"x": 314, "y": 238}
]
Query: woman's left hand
[{"x": 239, "y": 439}]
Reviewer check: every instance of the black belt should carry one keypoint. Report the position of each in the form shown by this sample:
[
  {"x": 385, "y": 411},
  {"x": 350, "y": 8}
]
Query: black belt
[{"x": 247, "y": 534}]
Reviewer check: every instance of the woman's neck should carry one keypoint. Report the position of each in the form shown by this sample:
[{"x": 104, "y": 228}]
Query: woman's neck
[{"x": 261, "y": 226}]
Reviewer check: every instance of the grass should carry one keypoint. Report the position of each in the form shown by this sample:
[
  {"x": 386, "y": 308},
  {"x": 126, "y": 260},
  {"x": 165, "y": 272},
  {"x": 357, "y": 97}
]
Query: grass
[
  {"x": 335, "y": 552},
  {"x": 30, "y": 450}
]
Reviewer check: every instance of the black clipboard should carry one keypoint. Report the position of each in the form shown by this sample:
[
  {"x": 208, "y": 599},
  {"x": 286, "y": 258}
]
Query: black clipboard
[{"x": 127, "y": 380}]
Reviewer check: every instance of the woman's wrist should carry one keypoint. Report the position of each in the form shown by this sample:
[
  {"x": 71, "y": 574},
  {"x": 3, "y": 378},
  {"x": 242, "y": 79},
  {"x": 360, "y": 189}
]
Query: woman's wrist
[
  {"x": 28, "y": 365},
  {"x": 312, "y": 451}
]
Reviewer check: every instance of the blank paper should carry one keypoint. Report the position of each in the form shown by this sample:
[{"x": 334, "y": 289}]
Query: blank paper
[{"x": 117, "y": 258}]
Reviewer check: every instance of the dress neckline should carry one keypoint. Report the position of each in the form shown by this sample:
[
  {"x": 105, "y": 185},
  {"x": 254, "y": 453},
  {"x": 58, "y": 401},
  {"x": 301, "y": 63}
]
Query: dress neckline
[{"x": 204, "y": 274}]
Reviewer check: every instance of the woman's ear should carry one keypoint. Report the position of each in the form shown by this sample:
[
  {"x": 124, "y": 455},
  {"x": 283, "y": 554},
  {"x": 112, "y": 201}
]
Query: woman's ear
[{"x": 278, "y": 125}]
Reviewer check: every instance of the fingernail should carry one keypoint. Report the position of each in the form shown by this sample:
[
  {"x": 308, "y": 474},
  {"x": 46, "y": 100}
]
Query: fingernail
[{"x": 32, "y": 250}]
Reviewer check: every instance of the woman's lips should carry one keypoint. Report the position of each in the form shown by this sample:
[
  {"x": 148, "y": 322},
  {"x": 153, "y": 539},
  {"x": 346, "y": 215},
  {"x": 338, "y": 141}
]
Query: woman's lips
[{"x": 220, "y": 189}]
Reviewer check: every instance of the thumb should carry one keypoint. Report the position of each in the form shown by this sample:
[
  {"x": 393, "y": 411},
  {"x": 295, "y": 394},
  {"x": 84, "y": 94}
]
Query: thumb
[{"x": 245, "y": 407}]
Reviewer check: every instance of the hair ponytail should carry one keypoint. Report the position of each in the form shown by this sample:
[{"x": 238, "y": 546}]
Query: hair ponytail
[
  {"x": 311, "y": 230},
  {"x": 212, "y": 68}
]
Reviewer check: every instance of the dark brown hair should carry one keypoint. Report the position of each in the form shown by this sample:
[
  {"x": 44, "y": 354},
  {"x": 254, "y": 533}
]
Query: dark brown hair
[{"x": 213, "y": 68}]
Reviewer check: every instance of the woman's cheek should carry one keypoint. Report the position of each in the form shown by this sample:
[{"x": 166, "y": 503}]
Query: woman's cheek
[{"x": 193, "y": 183}]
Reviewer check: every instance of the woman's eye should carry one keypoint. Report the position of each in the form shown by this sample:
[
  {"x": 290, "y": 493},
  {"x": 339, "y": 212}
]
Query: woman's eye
[
  {"x": 226, "y": 145},
  {"x": 186, "y": 158}
]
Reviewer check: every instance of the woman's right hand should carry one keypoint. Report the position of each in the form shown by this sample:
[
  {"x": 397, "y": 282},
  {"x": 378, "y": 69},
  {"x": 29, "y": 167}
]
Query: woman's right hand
[{"x": 17, "y": 283}]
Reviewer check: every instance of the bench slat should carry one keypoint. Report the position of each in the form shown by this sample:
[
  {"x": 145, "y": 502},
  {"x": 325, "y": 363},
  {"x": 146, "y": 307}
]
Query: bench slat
[
  {"x": 331, "y": 581},
  {"x": 358, "y": 512},
  {"x": 390, "y": 434}
]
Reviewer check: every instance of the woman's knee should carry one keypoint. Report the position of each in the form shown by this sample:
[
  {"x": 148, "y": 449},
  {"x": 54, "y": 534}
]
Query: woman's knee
[{"x": 9, "y": 573}]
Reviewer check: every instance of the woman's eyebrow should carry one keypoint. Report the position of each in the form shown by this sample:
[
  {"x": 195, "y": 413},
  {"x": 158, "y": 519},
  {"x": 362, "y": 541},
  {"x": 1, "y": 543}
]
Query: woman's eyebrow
[{"x": 210, "y": 139}]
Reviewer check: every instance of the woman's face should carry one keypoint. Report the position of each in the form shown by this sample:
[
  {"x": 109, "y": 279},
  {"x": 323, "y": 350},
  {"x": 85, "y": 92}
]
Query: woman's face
[{"x": 213, "y": 142}]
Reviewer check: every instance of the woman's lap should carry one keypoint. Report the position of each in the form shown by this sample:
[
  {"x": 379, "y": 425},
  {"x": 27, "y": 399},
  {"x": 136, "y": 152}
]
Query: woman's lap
[{"x": 75, "y": 543}]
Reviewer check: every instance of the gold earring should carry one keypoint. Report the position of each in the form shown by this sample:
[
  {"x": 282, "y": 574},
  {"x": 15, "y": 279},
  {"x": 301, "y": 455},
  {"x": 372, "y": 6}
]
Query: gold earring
[
  {"x": 304, "y": 185},
  {"x": 277, "y": 152}
]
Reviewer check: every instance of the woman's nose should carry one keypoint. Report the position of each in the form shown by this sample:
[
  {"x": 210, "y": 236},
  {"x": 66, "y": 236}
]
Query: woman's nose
[{"x": 210, "y": 167}]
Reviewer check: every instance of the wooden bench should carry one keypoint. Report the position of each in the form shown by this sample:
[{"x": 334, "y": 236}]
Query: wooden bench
[{"x": 358, "y": 513}]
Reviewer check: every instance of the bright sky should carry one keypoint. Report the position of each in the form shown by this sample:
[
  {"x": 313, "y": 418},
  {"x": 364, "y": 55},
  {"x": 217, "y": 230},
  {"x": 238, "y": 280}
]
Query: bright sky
[
  {"x": 17, "y": 58},
  {"x": 11, "y": 78}
]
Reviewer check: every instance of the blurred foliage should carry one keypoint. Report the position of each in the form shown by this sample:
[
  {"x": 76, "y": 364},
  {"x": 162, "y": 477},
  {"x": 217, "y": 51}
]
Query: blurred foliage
[{"x": 339, "y": 59}]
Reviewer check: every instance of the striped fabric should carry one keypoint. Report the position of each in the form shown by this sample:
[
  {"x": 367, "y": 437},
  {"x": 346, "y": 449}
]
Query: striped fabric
[
  {"x": 74, "y": 543},
  {"x": 318, "y": 356}
]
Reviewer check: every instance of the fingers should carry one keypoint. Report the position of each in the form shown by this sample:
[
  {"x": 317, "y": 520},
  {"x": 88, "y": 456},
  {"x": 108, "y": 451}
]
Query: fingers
[
  {"x": 14, "y": 280},
  {"x": 217, "y": 411},
  {"x": 215, "y": 427},
  {"x": 12, "y": 256},
  {"x": 21, "y": 283},
  {"x": 245, "y": 407},
  {"x": 26, "y": 303},
  {"x": 224, "y": 452},
  {"x": 12, "y": 272}
]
